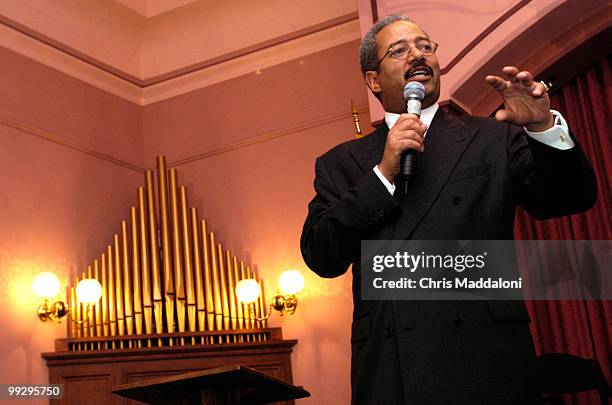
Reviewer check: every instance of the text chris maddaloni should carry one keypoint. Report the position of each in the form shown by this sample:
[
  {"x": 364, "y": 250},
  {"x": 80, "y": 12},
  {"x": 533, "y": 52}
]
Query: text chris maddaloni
[{"x": 425, "y": 283}]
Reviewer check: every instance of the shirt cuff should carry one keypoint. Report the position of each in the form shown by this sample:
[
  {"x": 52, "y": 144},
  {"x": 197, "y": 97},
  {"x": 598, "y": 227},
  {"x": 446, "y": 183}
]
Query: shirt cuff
[
  {"x": 389, "y": 186},
  {"x": 557, "y": 136}
]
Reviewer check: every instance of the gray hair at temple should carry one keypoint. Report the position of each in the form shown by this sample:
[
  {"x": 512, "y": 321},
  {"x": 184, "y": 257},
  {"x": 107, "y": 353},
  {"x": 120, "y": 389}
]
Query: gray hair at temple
[{"x": 368, "y": 52}]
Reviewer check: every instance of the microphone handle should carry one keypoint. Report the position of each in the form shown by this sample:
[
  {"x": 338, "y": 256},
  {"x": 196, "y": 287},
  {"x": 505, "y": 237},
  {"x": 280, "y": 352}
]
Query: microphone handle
[
  {"x": 408, "y": 159},
  {"x": 408, "y": 163}
]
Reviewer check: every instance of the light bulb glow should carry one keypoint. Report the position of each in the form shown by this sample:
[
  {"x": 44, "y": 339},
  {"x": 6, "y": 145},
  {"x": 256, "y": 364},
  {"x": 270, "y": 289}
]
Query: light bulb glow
[
  {"x": 291, "y": 282},
  {"x": 248, "y": 290},
  {"x": 46, "y": 285},
  {"x": 88, "y": 291}
]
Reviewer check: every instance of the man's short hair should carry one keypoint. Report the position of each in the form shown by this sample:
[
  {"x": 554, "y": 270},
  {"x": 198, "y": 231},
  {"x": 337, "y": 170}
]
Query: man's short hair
[{"x": 368, "y": 51}]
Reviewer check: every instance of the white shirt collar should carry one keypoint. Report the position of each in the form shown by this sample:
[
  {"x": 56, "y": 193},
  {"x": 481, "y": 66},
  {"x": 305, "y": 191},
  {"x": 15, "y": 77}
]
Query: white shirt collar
[{"x": 427, "y": 115}]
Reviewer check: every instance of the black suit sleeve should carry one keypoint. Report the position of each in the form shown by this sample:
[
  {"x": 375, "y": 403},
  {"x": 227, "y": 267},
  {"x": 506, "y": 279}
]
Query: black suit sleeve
[
  {"x": 550, "y": 182},
  {"x": 341, "y": 215}
]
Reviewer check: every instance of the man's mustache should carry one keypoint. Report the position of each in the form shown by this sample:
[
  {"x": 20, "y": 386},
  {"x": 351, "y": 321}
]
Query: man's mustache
[{"x": 419, "y": 66}]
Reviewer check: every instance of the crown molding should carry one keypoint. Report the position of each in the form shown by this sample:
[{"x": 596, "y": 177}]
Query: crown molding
[
  {"x": 252, "y": 62},
  {"x": 146, "y": 91},
  {"x": 73, "y": 66}
]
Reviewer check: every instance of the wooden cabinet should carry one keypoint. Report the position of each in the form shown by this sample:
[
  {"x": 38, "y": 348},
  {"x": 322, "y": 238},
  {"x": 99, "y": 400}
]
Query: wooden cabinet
[{"x": 88, "y": 376}]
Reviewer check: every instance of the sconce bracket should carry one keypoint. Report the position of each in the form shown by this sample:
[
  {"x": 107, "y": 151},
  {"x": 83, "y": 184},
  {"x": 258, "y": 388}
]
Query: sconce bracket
[
  {"x": 55, "y": 311},
  {"x": 284, "y": 304}
]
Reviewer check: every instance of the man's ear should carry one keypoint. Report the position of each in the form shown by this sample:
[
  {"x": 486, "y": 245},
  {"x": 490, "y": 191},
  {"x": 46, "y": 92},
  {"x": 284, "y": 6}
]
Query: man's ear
[{"x": 371, "y": 79}]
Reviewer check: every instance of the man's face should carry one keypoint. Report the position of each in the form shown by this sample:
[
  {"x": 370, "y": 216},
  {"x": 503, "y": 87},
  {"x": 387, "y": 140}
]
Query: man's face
[{"x": 393, "y": 74}]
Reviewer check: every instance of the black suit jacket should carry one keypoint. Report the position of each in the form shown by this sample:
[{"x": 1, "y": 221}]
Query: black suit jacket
[{"x": 469, "y": 179}]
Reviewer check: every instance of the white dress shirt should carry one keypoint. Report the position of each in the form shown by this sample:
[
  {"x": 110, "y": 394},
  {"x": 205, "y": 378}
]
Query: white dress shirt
[{"x": 557, "y": 136}]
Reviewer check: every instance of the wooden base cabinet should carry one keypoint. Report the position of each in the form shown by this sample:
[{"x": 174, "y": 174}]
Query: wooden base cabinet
[{"x": 88, "y": 376}]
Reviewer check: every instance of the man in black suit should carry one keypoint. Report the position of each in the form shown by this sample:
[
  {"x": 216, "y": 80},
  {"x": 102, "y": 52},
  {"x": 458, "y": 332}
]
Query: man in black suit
[{"x": 472, "y": 172}]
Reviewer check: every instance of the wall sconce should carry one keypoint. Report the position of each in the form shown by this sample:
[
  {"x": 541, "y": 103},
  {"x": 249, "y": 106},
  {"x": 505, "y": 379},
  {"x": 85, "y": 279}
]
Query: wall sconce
[
  {"x": 291, "y": 283},
  {"x": 46, "y": 285}
]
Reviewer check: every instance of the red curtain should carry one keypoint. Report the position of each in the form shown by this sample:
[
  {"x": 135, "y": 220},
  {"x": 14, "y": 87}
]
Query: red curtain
[{"x": 582, "y": 328}]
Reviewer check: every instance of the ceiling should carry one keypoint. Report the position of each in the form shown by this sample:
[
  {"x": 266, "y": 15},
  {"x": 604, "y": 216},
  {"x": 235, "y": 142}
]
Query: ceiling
[
  {"x": 149, "y": 50},
  {"x": 151, "y": 8}
]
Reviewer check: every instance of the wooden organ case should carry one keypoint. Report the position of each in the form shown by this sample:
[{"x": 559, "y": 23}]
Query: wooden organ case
[{"x": 168, "y": 305}]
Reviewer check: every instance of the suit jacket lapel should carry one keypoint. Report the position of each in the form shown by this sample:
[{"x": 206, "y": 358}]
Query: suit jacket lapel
[
  {"x": 370, "y": 154},
  {"x": 446, "y": 140}
]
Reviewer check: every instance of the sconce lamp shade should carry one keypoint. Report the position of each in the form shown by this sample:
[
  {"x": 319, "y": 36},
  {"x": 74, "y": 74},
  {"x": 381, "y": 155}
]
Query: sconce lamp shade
[
  {"x": 291, "y": 282},
  {"x": 248, "y": 290},
  {"x": 88, "y": 291},
  {"x": 46, "y": 285}
]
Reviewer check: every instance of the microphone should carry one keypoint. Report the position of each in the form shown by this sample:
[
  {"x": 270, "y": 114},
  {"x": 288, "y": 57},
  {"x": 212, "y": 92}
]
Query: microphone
[{"x": 414, "y": 93}]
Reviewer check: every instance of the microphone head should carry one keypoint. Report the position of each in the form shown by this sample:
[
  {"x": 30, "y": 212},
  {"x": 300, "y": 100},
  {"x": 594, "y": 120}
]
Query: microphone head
[{"x": 414, "y": 90}]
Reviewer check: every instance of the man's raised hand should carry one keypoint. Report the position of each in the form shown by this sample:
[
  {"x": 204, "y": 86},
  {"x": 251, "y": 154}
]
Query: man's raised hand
[{"x": 525, "y": 101}]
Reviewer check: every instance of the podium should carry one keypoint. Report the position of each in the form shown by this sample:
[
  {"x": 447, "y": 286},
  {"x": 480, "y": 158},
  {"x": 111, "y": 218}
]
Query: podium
[{"x": 227, "y": 385}]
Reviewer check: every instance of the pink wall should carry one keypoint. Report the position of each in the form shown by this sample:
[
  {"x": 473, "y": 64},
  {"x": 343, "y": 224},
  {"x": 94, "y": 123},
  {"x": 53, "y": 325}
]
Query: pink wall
[
  {"x": 61, "y": 200},
  {"x": 255, "y": 196},
  {"x": 77, "y": 113}
]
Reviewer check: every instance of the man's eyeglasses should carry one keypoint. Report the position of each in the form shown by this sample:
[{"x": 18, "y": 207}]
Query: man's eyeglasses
[{"x": 402, "y": 50}]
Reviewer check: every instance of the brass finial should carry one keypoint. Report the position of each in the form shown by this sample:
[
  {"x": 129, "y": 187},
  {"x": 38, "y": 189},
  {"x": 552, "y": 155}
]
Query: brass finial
[{"x": 355, "y": 113}]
